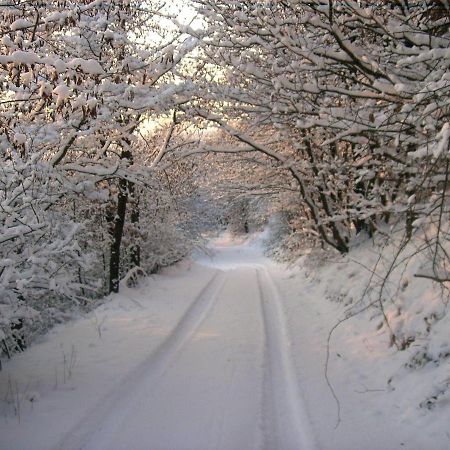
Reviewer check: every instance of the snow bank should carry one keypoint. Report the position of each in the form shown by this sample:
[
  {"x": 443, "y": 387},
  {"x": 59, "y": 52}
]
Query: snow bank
[{"x": 392, "y": 392}]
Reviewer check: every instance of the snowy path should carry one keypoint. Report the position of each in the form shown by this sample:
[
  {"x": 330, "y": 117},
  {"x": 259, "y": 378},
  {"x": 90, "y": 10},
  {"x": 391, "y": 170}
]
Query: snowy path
[
  {"x": 221, "y": 378},
  {"x": 287, "y": 424}
]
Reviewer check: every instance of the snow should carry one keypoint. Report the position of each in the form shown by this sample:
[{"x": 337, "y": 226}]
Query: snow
[
  {"x": 56, "y": 17},
  {"x": 227, "y": 350},
  {"x": 79, "y": 102},
  {"x": 62, "y": 92},
  {"x": 20, "y": 138},
  {"x": 91, "y": 103},
  {"x": 88, "y": 66},
  {"x": 444, "y": 136},
  {"x": 380, "y": 396},
  {"x": 22, "y": 57},
  {"x": 20, "y": 24},
  {"x": 59, "y": 65},
  {"x": 7, "y": 42},
  {"x": 108, "y": 344}
]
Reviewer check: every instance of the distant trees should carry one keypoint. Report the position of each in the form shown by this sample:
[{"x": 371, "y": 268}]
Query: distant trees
[{"x": 351, "y": 98}]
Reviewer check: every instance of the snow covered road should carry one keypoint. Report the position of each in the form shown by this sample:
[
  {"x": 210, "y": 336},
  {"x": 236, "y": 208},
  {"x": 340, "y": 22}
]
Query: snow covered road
[
  {"x": 222, "y": 377},
  {"x": 221, "y": 380}
]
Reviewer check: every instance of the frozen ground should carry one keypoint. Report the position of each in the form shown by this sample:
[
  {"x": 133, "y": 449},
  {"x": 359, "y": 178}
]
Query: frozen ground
[{"x": 226, "y": 352}]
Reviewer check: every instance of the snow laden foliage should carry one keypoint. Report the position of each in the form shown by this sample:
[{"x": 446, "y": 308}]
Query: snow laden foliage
[
  {"x": 349, "y": 98},
  {"x": 78, "y": 80}
]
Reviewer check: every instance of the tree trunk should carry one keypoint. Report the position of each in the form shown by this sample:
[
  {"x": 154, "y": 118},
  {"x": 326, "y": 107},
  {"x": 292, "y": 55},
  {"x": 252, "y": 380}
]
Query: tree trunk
[
  {"x": 117, "y": 233},
  {"x": 118, "y": 224},
  {"x": 135, "y": 257}
]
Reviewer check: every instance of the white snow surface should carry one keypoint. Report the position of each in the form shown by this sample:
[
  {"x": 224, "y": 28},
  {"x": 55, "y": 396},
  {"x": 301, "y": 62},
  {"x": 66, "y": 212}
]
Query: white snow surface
[{"x": 223, "y": 351}]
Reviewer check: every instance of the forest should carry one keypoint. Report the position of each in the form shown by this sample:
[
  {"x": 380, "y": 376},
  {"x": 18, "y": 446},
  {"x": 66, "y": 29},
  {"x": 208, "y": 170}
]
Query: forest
[{"x": 129, "y": 130}]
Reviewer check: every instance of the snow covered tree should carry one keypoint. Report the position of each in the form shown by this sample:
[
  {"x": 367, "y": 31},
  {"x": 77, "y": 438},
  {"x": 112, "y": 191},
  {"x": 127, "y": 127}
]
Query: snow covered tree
[
  {"x": 78, "y": 81},
  {"x": 351, "y": 99}
]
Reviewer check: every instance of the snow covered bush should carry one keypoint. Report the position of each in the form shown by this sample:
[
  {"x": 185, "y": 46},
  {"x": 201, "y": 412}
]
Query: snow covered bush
[
  {"x": 42, "y": 265},
  {"x": 285, "y": 236}
]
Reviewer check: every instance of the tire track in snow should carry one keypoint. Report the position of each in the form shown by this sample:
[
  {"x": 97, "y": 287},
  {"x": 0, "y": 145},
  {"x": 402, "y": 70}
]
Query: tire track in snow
[
  {"x": 210, "y": 396},
  {"x": 286, "y": 425},
  {"x": 98, "y": 424},
  {"x": 250, "y": 320}
]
